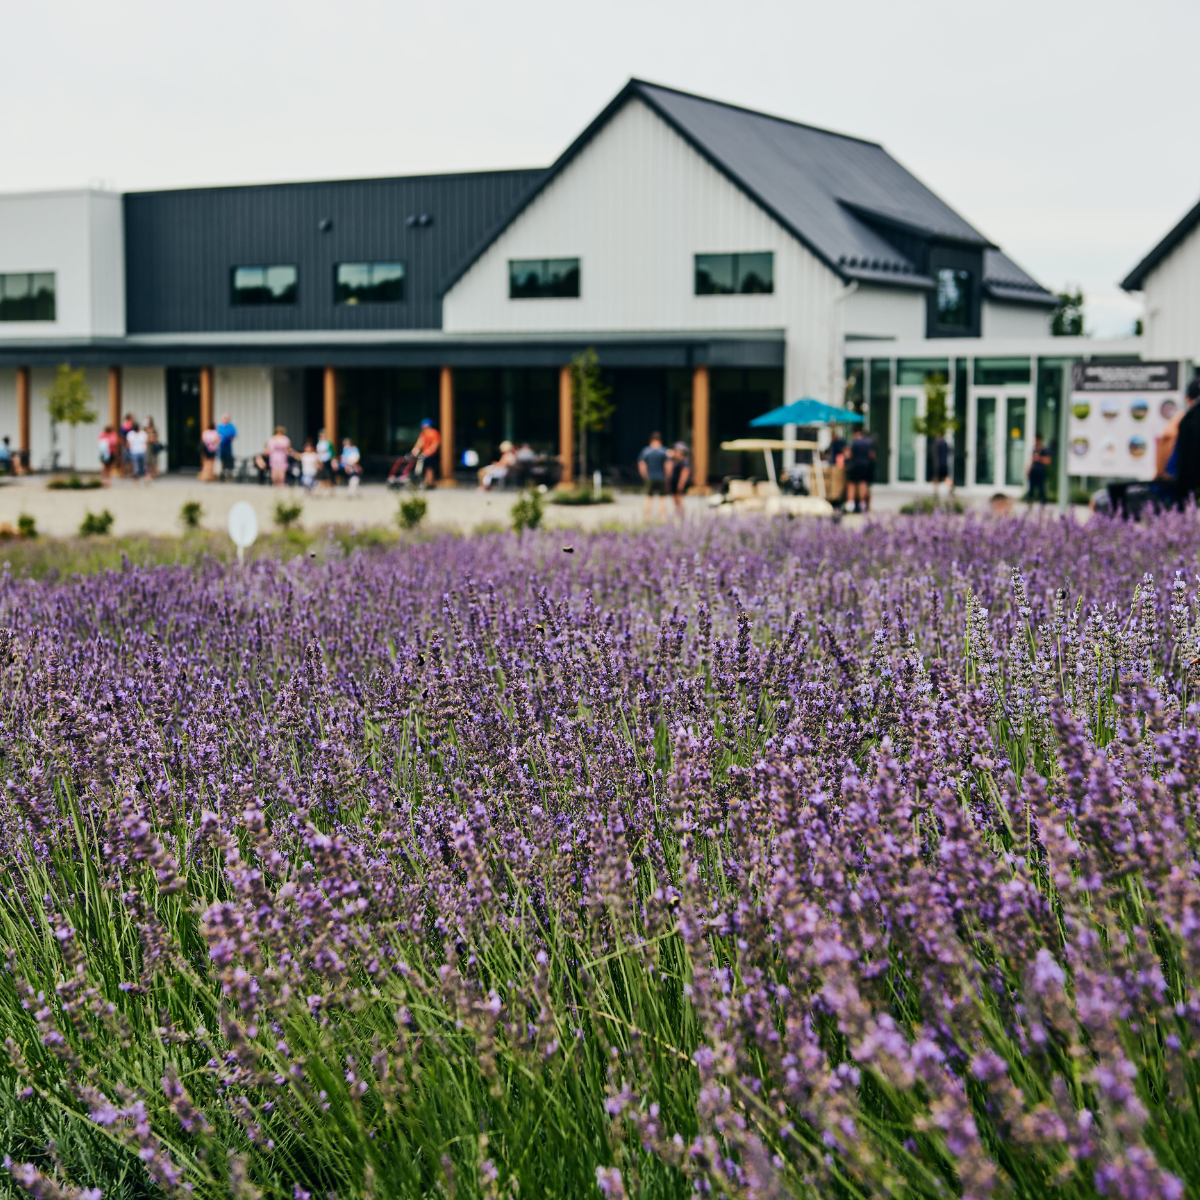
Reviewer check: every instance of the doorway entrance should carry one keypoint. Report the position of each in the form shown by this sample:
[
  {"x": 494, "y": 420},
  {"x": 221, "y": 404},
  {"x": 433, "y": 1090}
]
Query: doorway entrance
[
  {"x": 999, "y": 442},
  {"x": 183, "y": 419}
]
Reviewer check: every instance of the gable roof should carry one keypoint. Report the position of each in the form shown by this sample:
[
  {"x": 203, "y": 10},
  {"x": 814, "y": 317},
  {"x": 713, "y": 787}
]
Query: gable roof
[
  {"x": 1134, "y": 281},
  {"x": 834, "y": 193}
]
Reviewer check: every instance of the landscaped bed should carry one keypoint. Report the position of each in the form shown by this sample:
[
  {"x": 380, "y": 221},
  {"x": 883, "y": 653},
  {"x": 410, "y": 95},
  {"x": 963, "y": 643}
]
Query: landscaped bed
[{"x": 767, "y": 859}]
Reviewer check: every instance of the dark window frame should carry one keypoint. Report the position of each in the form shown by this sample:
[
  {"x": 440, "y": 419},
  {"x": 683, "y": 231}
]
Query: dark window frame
[
  {"x": 735, "y": 273},
  {"x": 237, "y": 296},
  {"x": 955, "y": 258},
  {"x": 32, "y": 300},
  {"x": 549, "y": 286},
  {"x": 356, "y": 301}
]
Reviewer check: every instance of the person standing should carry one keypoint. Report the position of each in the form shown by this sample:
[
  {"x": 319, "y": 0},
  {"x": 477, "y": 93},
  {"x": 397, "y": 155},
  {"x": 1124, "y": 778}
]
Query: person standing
[
  {"x": 652, "y": 466},
  {"x": 1184, "y": 464},
  {"x": 153, "y": 448},
  {"x": 109, "y": 446},
  {"x": 226, "y": 432},
  {"x": 861, "y": 471},
  {"x": 941, "y": 464},
  {"x": 210, "y": 443},
  {"x": 127, "y": 424},
  {"x": 325, "y": 462},
  {"x": 1038, "y": 469},
  {"x": 351, "y": 465},
  {"x": 279, "y": 456},
  {"x": 679, "y": 473},
  {"x": 135, "y": 445}
]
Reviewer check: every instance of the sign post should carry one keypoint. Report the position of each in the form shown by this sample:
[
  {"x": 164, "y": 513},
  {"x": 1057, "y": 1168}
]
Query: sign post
[{"x": 243, "y": 528}]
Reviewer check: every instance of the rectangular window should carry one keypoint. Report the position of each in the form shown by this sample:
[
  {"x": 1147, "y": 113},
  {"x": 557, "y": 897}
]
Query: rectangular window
[
  {"x": 879, "y": 418},
  {"x": 912, "y": 372},
  {"x": 264, "y": 285},
  {"x": 368, "y": 283},
  {"x": 735, "y": 274},
  {"x": 985, "y": 440},
  {"x": 906, "y": 441},
  {"x": 996, "y": 372},
  {"x": 543, "y": 278},
  {"x": 953, "y": 298},
  {"x": 27, "y": 296}
]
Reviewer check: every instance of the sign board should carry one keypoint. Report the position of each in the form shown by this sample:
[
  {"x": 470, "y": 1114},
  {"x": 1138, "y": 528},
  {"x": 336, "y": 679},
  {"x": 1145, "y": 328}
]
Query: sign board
[
  {"x": 1118, "y": 411},
  {"x": 243, "y": 527}
]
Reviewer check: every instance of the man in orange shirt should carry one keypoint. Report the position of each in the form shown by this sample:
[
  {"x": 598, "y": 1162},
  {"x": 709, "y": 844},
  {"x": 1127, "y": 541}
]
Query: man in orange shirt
[{"x": 426, "y": 447}]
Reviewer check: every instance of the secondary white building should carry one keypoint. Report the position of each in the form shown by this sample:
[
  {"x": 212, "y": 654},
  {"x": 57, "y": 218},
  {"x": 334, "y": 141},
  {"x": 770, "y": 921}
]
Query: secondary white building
[{"x": 1169, "y": 280}]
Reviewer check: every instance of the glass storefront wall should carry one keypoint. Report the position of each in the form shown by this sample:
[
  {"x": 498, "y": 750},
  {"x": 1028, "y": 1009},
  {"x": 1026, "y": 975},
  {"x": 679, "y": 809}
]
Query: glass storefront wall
[
  {"x": 1052, "y": 377},
  {"x": 910, "y": 371},
  {"x": 906, "y": 440},
  {"x": 879, "y": 416},
  {"x": 985, "y": 440},
  {"x": 997, "y": 372},
  {"x": 1015, "y": 451},
  {"x": 961, "y": 381}
]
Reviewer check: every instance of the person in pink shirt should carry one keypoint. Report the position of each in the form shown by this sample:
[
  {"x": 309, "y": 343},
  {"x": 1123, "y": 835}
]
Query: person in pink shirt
[{"x": 279, "y": 456}]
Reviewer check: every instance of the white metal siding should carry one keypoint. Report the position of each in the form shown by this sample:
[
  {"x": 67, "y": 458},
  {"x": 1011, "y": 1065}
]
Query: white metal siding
[
  {"x": 1172, "y": 293},
  {"x": 41, "y": 440},
  {"x": 144, "y": 394},
  {"x": 1014, "y": 320},
  {"x": 885, "y": 313},
  {"x": 78, "y": 236},
  {"x": 635, "y": 207},
  {"x": 245, "y": 394}
]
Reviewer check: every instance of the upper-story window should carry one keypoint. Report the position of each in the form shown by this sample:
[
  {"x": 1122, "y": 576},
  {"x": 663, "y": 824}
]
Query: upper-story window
[
  {"x": 265, "y": 285},
  {"x": 954, "y": 298},
  {"x": 543, "y": 278},
  {"x": 735, "y": 274},
  {"x": 368, "y": 283},
  {"x": 27, "y": 296}
]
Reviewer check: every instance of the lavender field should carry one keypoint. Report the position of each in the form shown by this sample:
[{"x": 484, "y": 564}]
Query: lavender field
[{"x": 752, "y": 861}]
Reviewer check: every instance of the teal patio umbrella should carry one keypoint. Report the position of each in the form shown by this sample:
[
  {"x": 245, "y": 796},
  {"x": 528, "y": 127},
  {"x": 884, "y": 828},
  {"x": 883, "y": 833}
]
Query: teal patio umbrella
[{"x": 808, "y": 412}]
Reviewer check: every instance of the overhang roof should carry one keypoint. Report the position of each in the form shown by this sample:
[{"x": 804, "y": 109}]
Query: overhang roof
[
  {"x": 1136, "y": 279},
  {"x": 833, "y": 192}
]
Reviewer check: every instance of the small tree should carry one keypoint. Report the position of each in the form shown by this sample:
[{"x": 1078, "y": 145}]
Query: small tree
[
  {"x": 937, "y": 421},
  {"x": 593, "y": 401},
  {"x": 69, "y": 402},
  {"x": 1067, "y": 320}
]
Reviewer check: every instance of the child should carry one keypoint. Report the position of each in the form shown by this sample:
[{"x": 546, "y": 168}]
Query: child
[{"x": 310, "y": 466}]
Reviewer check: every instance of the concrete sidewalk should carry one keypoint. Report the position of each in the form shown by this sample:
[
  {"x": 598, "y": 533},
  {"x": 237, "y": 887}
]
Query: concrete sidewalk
[{"x": 154, "y": 507}]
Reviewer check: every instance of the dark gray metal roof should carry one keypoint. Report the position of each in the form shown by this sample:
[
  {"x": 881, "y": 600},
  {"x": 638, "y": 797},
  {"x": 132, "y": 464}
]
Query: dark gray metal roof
[
  {"x": 180, "y": 247},
  {"x": 862, "y": 213},
  {"x": 1004, "y": 280},
  {"x": 1135, "y": 280}
]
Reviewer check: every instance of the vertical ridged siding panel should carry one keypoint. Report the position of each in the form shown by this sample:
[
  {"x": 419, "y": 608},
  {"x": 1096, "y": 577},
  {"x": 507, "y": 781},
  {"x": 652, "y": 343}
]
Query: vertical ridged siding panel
[
  {"x": 181, "y": 246},
  {"x": 1172, "y": 292},
  {"x": 635, "y": 206}
]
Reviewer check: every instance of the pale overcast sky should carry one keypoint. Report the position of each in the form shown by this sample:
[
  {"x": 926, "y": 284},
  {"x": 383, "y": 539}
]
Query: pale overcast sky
[{"x": 1066, "y": 132}]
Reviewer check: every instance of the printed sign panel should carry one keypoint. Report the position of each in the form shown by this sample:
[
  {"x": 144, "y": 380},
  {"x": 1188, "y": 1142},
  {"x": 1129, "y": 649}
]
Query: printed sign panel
[{"x": 1118, "y": 410}]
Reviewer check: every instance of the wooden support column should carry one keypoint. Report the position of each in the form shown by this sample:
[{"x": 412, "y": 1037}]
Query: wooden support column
[
  {"x": 566, "y": 425},
  {"x": 446, "y": 428},
  {"x": 114, "y": 397},
  {"x": 23, "y": 415},
  {"x": 206, "y": 399},
  {"x": 700, "y": 426},
  {"x": 330, "y": 412}
]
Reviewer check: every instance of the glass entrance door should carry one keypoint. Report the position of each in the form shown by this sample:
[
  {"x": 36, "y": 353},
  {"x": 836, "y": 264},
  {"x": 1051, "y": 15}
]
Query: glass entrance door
[
  {"x": 183, "y": 419},
  {"x": 985, "y": 441},
  {"x": 1016, "y": 427}
]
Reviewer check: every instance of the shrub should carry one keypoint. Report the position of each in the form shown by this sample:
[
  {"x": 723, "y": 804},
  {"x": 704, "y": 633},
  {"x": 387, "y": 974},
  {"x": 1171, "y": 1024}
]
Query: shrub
[
  {"x": 581, "y": 495},
  {"x": 411, "y": 512},
  {"x": 73, "y": 483},
  {"x": 190, "y": 513},
  {"x": 1079, "y": 495},
  {"x": 286, "y": 514},
  {"x": 27, "y": 526},
  {"x": 527, "y": 512},
  {"x": 96, "y": 524},
  {"x": 926, "y": 505}
]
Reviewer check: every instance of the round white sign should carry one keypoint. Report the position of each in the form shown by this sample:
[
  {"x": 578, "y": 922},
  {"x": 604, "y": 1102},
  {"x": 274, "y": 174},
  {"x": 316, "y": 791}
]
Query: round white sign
[{"x": 243, "y": 525}]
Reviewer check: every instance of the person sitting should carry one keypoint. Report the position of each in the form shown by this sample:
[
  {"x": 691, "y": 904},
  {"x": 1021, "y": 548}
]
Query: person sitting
[
  {"x": 526, "y": 461},
  {"x": 262, "y": 464},
  {"x": 497, "y": 473}
]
